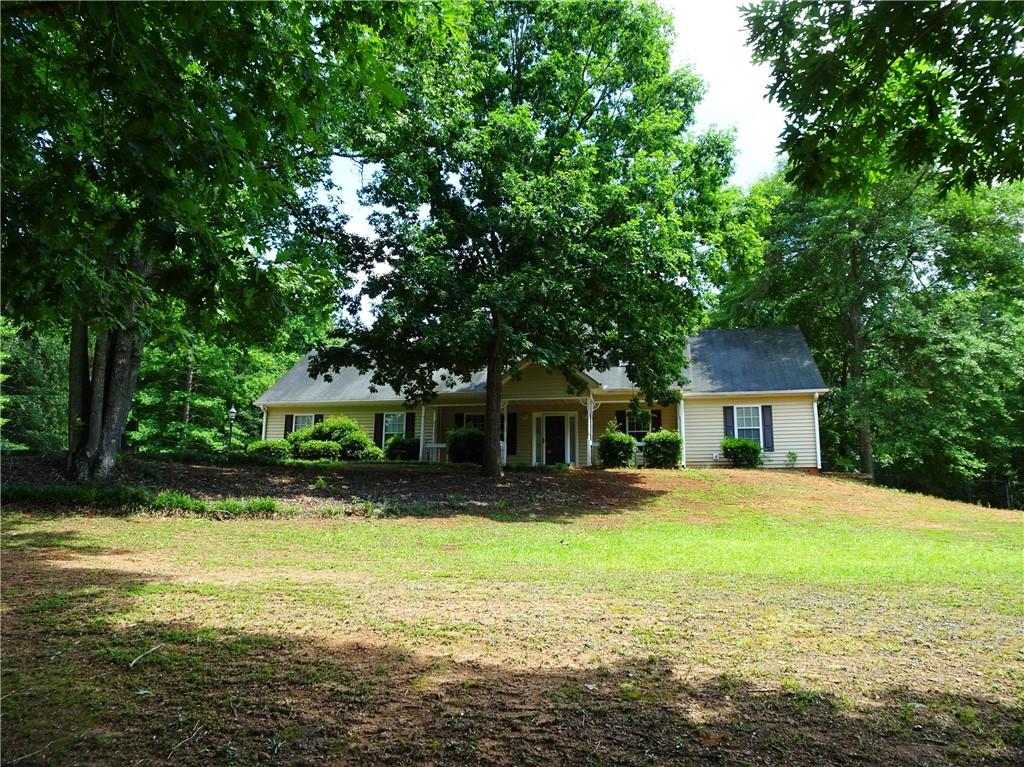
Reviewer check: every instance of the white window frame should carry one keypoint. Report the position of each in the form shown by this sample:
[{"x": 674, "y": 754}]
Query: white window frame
[
  {"x": 736, "y": 423},
  {"x": 297, "y": 416},
  {"x": 385, "y": 435},
  {"x": 634, "y": 432},
  {"x": 481, "y": 416}
]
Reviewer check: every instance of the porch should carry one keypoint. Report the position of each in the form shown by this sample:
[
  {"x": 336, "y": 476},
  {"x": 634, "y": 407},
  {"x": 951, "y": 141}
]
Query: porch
[{"x": 535, "y": 431}]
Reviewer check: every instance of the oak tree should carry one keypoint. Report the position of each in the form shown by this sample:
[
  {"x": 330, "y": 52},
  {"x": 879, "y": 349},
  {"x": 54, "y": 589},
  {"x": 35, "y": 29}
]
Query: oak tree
[{"x": 541, "y": 196}]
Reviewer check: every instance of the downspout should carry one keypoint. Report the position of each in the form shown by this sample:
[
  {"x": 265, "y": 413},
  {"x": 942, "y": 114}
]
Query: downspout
[
  {"x": 263, "y": 431},
  {"x": 590, "y": 430},
  {"x": 817, "y": 437}
]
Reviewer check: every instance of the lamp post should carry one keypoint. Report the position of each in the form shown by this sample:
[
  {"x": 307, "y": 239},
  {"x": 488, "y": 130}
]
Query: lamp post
[{"x": 231, "y": 424}]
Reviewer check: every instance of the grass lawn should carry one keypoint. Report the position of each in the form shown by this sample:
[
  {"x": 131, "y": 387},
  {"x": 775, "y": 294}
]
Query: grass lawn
[{"x": 625, "y": 617}]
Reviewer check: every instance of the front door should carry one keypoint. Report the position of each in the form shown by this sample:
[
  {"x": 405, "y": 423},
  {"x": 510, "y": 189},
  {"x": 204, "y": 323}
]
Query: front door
[{"x": 554, "y": 439}]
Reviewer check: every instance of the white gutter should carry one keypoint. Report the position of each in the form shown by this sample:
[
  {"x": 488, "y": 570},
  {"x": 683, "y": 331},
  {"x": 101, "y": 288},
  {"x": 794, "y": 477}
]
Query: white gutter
[
  {"x": 754, "y": 393},
  {"x": 263, "y": 431},
  {"x": 681, "y": 417}
]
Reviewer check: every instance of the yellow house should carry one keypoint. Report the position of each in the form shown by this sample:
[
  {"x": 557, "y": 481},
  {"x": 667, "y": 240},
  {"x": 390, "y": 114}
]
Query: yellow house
[{"x": 760, "y": 384}]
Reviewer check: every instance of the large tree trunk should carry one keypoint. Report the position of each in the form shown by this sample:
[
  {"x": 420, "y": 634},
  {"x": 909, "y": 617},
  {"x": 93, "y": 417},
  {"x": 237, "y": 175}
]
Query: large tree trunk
[
  {"x": 189, "y": 373},
  {"x": 98, "y": 405},
  {"x": 492, "y": 413},
  {"x": 859, "y": 342}
]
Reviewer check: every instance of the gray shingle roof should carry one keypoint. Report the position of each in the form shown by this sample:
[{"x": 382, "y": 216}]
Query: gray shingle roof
[
  {"x": 760, "y": 359},
  {"x": 756, "y": 359}
]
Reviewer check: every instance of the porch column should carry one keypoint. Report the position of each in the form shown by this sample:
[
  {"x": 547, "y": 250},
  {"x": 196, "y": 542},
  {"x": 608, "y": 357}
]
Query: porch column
[
  {"x": 590, "y": 430},
  {"x": 423, "y": 431}
]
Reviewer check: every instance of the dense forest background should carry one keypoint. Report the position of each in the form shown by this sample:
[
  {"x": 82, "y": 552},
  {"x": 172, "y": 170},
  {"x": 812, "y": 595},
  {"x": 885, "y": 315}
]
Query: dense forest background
[{"x": 913, "y": 305}]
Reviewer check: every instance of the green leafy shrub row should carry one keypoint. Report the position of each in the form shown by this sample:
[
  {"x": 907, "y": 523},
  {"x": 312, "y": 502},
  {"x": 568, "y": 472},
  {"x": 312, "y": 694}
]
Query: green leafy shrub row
[
  {"x": 742, "y": 453},
  {"x": 352, "y": 443},
  {"x": 466, "y": 445},
  {"x": 129, "y": 499},
  {"x": 400, "y": 448},
  {"x": 278, "y": 449},
  {"x": 317, "y": 449},
  {"x": 616, "y": 448},
  {"x": 663, "y": 449}
]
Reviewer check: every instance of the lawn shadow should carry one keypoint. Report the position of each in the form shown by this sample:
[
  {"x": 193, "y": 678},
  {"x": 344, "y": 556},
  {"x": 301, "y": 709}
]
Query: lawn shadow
[{"x": 83, "y": 685}]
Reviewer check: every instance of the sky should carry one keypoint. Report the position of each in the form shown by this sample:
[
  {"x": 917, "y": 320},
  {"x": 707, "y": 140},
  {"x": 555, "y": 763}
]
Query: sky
[{"x": 710, "y": 38}]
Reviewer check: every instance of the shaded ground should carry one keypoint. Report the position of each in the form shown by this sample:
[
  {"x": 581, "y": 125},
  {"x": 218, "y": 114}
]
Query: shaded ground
[{"x": 694, "y": 618}]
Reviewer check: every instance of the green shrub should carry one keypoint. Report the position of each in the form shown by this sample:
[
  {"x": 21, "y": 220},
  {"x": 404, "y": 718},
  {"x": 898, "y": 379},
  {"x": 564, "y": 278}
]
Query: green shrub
[
  {"x": 615, "y": 448},
  {"x": 300, "y": 436},
  {"x": 103, "y": 497},
  {"x": 278, "y": 449},
  {"x": 317, "y": 449},
  {"x": 171, "y": 500},
  {"x": 663, "y": 449},
  {"x": 742, "y": 453},
  {"x": 791, "y": 458},
  {"x": 261, "y": 507},
  {"x": 372, "y": 454},
  {"x": 466, "y": 445},
  {"x": 400, "y": 448}
]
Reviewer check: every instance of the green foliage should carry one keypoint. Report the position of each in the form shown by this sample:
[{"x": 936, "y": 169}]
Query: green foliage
[
  {"x": 873, "y": 89},
  {"x": 791, "y": 458},
  {"x": 400, "y": 448},
  {"x": 314, "y": 449},
  {"x": 912, "y": 306},
  {"x": 95, "y": 496},
  {"x": 173, "y": 501},
  {"x": 465, "y": 445},
  {"x": 33, "y": 369},
  {"x": 353, "y": 443},
  {"x": 541, "y": 196},
  {"x": 616, "y": 448},
  {"x": 278, "y": 449},
  {"x": 663, "y": 449},
  {"x": 371, "y": 454},
  {"x": 742, "y": 453}
]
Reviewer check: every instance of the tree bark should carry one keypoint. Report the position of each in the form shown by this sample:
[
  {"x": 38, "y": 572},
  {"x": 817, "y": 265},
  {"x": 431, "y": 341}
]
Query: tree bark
[
  {"x": 492, "y": 413},
  {"x": 859, "y": 342}
]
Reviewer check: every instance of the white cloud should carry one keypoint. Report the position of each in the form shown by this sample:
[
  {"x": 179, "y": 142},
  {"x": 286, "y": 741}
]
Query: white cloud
[{"x": 711, "y": 37}]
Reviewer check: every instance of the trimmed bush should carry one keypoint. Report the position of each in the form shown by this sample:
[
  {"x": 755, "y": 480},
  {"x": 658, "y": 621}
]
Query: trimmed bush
[
  {"x": 663, "y": 449},
  {"x": 466, "y": 445},
  {"x": 353, "y": 443},
  {"x": 300, "y": 436},
  {"x": 278, "y": 449},
  {"x": 616, "y": 448},
  {"x": 317, "y": 449},
  {"x": 400, "y": 448},
  {"x": 372, "y": 454},
  {"x": 742, "y": 453}
]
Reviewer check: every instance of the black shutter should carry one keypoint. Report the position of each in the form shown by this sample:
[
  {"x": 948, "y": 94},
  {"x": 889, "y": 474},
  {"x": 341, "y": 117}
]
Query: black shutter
[
  {"x": 511, "y": 434},
  {"x": 655, "y": 420},
  {"x": 767, "y": 432},
  {"x": 730, "y": 420},
  {"x": 289, "y": 424},
  {"x": 318, "y": 418},
  {"x": 620, "y": 418},
  {"x": 378, "y": 429},
  {"x": 460, "y": 420},
  {"x": 410, "y": 424}
]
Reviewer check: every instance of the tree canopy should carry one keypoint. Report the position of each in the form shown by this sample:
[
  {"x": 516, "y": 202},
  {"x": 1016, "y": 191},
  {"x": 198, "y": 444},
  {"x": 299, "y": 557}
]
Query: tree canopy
[
  {"x": 166, "y": 152},
  {"x": 541, "y": 198},
  {"x": 873, "y": 89},
  {"x": 914, "y": 309}
]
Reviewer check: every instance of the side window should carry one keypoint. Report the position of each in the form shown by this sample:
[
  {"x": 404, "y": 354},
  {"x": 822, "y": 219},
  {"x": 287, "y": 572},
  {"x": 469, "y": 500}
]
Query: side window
[
  {"x": 748, "y": 423},
  {"x": 302, "y": 422}
]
